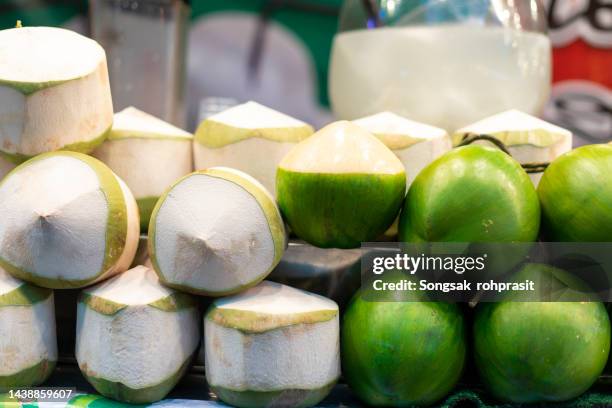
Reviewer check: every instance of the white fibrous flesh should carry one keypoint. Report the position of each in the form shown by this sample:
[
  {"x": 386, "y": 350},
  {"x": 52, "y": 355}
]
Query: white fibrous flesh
[
  {"x": 55, "y": 216},
  {"x": 146, "y": 152},
  {"x": 140, "y": 345},
  {"x": 270, "y": 135},
  {"x": 54, "y": 91},
  {"x": 303, "y": 356},
  {"x": 27, "y": 332},
  {"x": 213, "y": 235}
]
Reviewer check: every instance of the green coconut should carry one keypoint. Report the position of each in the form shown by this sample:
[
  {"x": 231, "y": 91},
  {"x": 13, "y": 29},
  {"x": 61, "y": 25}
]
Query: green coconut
[
  {"x": 402, "y": 352},
  {"x": 27, "y": 334},
  {"x": 69, "y": 221},
  {"x": 54, "y": 96},
  {"x": 471, "y": 194},
  {"x": 576, "y": 196},
  {"x": 340, "y": 187},
  {"x": 531, "y": 351},
  {"x": 216, "y": 232},
  {"x": 119, "y": 347}
]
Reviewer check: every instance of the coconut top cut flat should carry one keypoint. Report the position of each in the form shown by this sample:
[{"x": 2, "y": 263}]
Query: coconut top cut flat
[
  {"x": 34, "y": 58},
  {"x": 138, "y": 286},
  {"x": 134, "y": 123},
  {"x": 514, "y": 127},
  {"x": 250, "y": 120},
  {"x": 270, "y": 306},
  {"x": 65, "y": 219},
  {"x": 397, "y": 132},
  {"x": 342, "y": 147}
]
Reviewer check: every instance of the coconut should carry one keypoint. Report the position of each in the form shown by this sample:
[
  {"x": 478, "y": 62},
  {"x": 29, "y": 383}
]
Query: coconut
[
  {"x": 340, "y": 187},
  {"x": 148, "y": 154},
  {"x": 54, "y": 92},
  {"x": 530, "y": 140},
  {"x": 531, "y": 352},
  {"x": 248, "y": 137},
  {"x": 215, "y": 232},
  {"x": 272, "y": 346},
  {"x": 415, "y": 144},
  {"x": 135, "y": 337},
  {"x": 68, "y": 221},
  {"x": 576, "y": 196},
  {"x": 28, "y": 343},
  {"x": 471, "y": 194}
]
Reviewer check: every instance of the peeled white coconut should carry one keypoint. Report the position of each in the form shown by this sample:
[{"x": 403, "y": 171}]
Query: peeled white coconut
[
  {"x": 54, "y": 92},
  {"x": 248, "y": 137},
  {"x": 530, "y": 140},
  {"x": 135, "y": 337},
  {"x": 67, "y": 221},
  {"x": 148, "y": 154},
  {"x": 272, "y": 346},
  {"x": 415, "y": 144},
  {"x": 216, "y": 232},
  {"x": 28, "y": 344}
]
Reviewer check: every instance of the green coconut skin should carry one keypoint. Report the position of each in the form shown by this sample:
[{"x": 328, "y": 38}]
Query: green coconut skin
[
  {"x": 529, "y": 352},
  {"x": 283, "y": 398},
  {"x": 576, "y": 196},
  {"x": 79, "y": 147},
  {"x": 401, "y": 354},
  {"x": 28, "y": 377},
  {"x": 121, "y": 392},
  {"x": 339, "y": 210},
  {"x": 145, "y": 207},
  {"x": 471, "y": 194}
]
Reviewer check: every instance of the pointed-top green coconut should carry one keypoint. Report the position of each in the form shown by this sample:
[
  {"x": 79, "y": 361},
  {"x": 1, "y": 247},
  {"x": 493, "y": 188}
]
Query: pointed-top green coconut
[
  {"x": 340, "y": 187},
  {"x": 56, "y": 95},
  {"x": 216, "y": 232},
  {"x": 69, "y": 221},
  {"x": 530, "y": 140},
  {"x": 248, "y": 137},
  {"x": 272, "y": 345},
  {"x": 415, "y": 144},
  {"x": 135, "y": 337},
  {"x": 148, "y": 154},
  {"x": 27, "y": 333}
]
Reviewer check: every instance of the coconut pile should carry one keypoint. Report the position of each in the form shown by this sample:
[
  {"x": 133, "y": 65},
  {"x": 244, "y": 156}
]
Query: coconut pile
[{"x": 78, "y": 186}]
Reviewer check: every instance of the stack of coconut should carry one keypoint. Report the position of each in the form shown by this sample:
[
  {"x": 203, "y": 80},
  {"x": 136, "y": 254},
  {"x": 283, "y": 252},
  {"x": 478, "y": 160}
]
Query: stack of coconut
[{"x": 72, "y": 220}]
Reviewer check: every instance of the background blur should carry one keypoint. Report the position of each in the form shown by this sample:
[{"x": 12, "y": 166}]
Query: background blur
[{"x": 277, "y": 53}]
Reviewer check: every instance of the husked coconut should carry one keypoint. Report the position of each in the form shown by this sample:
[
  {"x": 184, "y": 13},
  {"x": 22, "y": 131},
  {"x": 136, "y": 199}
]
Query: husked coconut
[
  {"x": 148, "y": 154},
  {"x": 54, "y": 92},
  {"x": 135, "y": 337},
  {"x": 415, "y": 144},
  {"x": 68, "y": 221},
  {"x": 340, "y": 187},
  {"x": 272, "y": 346},
  {"x": 28, "y": 344},
  {"x": 216, "y": 232},
  {"x": 248, "y": 137},
  {"x": 530, "y": 140}
]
